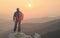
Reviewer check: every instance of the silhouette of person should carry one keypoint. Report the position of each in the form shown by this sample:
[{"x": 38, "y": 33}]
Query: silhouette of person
[{"x": 17, "y": 18}]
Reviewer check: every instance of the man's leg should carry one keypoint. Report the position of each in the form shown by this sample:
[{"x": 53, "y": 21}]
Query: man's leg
[
  {"x": 19, "y": 26},
  {"x": 15, "y": 26}
]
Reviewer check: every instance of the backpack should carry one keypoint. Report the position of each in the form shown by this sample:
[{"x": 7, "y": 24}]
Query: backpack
[{"x": 19, "y": 16}]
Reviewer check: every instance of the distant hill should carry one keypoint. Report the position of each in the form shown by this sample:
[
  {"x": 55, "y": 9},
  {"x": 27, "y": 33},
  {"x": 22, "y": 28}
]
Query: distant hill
[
  {"x": 42, "y": 27},
  {"x": 31, "y": 28},
  {"x": 40, "y": 20}
]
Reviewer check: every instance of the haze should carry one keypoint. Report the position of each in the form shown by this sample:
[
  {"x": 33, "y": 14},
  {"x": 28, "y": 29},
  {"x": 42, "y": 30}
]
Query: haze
[{"x": 36, "y": 9}]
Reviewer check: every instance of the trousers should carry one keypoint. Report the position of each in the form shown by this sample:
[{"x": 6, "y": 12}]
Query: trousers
[{"x": 17, "y": 23}]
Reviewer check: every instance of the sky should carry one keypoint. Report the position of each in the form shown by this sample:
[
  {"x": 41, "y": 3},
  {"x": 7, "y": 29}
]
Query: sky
[{"x": 30, "y": 8}]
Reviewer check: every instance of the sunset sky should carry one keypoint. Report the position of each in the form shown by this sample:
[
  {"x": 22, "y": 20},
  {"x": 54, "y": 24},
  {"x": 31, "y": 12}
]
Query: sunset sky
[{"x": 30, "y": 8}]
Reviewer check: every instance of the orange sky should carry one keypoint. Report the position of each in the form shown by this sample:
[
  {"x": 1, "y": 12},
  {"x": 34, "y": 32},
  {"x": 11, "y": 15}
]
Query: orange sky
[{"x": 39, "y": 8}]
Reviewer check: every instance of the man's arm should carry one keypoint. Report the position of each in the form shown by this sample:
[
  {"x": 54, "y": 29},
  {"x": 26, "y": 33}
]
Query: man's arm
[
  {"x": 14, "y": 16},
  {"x": 22, "y": 16}
]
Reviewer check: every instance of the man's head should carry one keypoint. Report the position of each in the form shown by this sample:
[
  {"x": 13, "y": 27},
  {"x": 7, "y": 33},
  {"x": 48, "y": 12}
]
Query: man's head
[{"x": 17, "y": 9}]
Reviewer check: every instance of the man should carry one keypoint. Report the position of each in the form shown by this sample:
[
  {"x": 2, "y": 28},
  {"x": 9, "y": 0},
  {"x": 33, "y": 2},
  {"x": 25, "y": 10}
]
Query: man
[{"x": 17, "y": 18}]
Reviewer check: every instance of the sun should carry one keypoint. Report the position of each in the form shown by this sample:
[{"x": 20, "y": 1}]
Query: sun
[{"x": 29, "y": 5}]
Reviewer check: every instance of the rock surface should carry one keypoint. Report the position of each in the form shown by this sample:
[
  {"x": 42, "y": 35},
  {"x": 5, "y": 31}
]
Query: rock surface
[{"x": 22, "y": 35}]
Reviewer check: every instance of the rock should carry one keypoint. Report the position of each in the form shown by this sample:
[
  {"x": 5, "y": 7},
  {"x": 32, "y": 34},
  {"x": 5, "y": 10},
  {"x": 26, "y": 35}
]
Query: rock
[
  {"x": 18, "y": 35},
  {"x": 22, "y": 35},
  {"x": 37, "y": 35}
]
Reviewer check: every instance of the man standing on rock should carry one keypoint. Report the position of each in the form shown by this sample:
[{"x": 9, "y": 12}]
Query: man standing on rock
[{"x": 17, "y": 18}]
